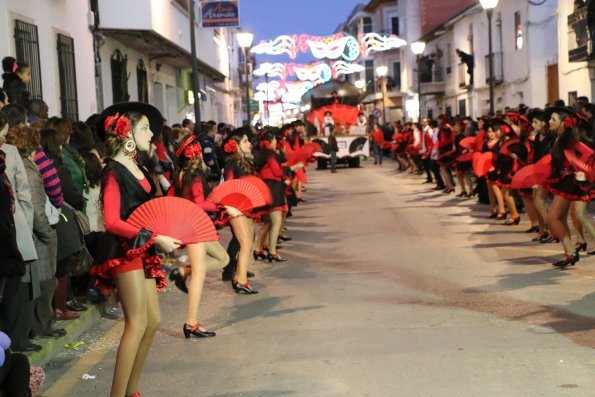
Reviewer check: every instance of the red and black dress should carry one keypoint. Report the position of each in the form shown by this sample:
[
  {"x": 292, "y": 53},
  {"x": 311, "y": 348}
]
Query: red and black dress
[
  {"x": 197, "y": 191},
  {"x": 463, "y": 167},
  {"x": 492, "y": 176},
  {"x": 446, "y": 146},
  {"x": 274, "y": 174},
  {"x": 507, "y": 166},
  {"x": 123, "y": 247},
  {"x": 563, "y": 182}
]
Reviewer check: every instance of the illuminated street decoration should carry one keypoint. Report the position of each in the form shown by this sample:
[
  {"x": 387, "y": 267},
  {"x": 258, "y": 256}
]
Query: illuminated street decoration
[
  {"x": 281, "y": 45},
  {"x": 320, "y": 73},
  {"x": 342, "y": 67},
  {"x": 338, "y": 46},
  {"x": 272, "y": 69},
  {"x": 373, "y": 42}
]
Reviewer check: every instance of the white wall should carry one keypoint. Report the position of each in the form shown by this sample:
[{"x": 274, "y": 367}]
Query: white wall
[{"x": 52, "y": 17}]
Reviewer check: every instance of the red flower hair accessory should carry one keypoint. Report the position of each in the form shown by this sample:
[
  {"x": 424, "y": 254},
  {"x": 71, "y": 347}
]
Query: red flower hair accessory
[
  {"x": 118, "y": 124},
  {"x": 570, "y": 122},
  {"x": 110, "y": 120},
  {"x": 183, "y": 146},
  {"x": 505, "y": 129},
  {"x": 265, "y": 145},
  {"x": 192, "y": 151},
  {"x": 231, "y": 146}
]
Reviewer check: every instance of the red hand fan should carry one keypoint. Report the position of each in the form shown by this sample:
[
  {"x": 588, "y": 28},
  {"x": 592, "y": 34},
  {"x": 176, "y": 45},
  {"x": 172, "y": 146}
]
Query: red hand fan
[
  {"x": 241, "y": 194},
  {"x": 385, "y": 145},
  {"x": 484, "y": 163},
  {"x": 465, "y": 157},
  {"x": 468, "y": 143},
  {"x": 531, "y": 175},
  {"x": 263, "y": 187},
  {"x": 303, "y": 153},
  {"x": 175, "y": 217},
  {"x": 476, "y": 156},
  {"x": 584, "y": 163},
  {"x": 547, "y": 159},
  {"x": 507, "y": 148}
]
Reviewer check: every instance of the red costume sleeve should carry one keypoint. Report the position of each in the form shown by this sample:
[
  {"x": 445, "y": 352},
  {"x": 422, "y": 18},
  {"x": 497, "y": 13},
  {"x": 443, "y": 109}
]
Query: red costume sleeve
[
  {"x": 111, "y": 210},
  {"x": 196, "y": 195}
]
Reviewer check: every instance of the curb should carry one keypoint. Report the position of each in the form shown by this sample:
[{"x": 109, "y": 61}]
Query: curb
[{"x": 74, "y": 329}]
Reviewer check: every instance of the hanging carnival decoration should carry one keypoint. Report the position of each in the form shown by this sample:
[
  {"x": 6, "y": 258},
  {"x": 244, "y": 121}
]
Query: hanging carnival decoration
[
  {"x": 308, "y": 72},
  {"x": 317, "y": 73},
  {"x": 271, "y": 69},
  {"x": 344, "y": 68},
  {"x": 337, "y": 46}
]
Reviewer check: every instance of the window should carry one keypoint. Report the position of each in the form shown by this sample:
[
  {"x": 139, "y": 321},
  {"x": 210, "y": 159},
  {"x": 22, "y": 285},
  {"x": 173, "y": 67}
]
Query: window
[
  {"x": 141, "y": 82},
  {"x": 397, "y": 75},
  {"x": 67, "y": 72},
  {"x": 448, "y": 58},
  {"x": 462, "y": 107},
  {"x": 518, "y": 31},
  {"x": 119, "y": 77},
  {"x": 395, "y": 25},
  {"x": 370, "y": 76},
  {"x": 27, "y": 50},
  {"x": 367, "y": 22}
]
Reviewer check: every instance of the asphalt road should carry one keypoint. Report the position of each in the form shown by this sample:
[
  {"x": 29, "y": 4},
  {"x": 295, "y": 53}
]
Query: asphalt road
[{"x": 391, "y": 290}]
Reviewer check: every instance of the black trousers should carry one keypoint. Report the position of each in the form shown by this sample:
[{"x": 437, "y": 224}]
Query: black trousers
[
  {"x": 427, "y": 165},
  {"x": 436, "y": 171},
  {"x": 16, "y": 310},
  {"x": 43, "y": 312},
  {"x": 14, "y": 375}
]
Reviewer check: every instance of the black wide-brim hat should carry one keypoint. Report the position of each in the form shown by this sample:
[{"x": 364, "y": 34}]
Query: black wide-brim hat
[
  {"x": 240, "y": 132},
  {"x": 499, "y": 123},
  {"x": 536, "y": 113},
  {"x": 150, "y": 111},
  {"x": 582, "y": 120}
]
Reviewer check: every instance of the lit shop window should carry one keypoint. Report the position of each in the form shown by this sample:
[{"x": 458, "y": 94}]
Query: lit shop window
[{"x": 518, "y": 34}]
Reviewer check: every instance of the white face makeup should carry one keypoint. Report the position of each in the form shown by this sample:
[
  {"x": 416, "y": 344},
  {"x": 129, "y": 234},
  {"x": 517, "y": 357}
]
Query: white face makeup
[{"x": 143, "y": 134}]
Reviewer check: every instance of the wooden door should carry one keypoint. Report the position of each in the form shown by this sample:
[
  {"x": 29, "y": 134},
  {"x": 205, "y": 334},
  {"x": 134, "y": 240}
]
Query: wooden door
[{"x": 553, "y": 87}]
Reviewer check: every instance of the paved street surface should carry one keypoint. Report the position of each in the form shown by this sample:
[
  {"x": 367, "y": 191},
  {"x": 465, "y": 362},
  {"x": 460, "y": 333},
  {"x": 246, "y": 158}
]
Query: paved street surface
[{"x": 391, "y": 290}]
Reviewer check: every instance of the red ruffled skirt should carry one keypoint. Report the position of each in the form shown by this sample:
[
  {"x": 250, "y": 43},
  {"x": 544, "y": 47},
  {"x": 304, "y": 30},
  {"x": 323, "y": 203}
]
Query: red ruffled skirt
[
  {"x": 568, "y": 187},
  {"x": 151, "y": 264}
]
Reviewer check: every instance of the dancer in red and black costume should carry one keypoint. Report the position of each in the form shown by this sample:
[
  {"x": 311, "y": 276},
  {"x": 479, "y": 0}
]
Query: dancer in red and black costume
[
  {"x": 492, "y": 144},
  {"x": 542, "y": 145},
  {"x": 462, "y": 166},
  {"x": 238, "y": 148},
  {"x": 204, "y": 257},
  {"x": 446, "y": 153},
  {"x": 566, "y": 184},
  {"x": 511, "y": 155},
  {"x": 126, "y": 255},
  {"x": 268, "y": 165}
]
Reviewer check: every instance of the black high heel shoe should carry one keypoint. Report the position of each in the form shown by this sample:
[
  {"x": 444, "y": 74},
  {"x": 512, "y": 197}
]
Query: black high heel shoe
[
  {"x": 285, "y": 237},
  {"x": 195, "y": 330},
  {"x": 448, "y": 191},
  {"x": 569, "y": 260},
  {"x": 578, "y": 247},
  {"x": 276, "y": 258},
  {"x": 178, "y": 280},
  {"x": 512, "y": 221},
  {"x": 259, "y": 255},
  {"x": 462, "y": 194},
  {"x": 501, "y": 216},
  {"x": 532, "y": 229},
  {"x": 493, "y": 215},
  {"x": 243, "y": 288}
]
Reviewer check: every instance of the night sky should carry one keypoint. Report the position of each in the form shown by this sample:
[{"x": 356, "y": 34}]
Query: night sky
[{"x": 268, "y": 19}]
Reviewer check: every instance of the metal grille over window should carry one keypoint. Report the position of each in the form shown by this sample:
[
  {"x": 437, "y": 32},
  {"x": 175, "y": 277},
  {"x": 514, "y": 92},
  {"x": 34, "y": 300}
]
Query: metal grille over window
[
  {"x": 27, "y": 50},
  {"x": 119, "y": 77},
  {"x": 67, "y": 70},
  {"x": 141, "y": 80}
]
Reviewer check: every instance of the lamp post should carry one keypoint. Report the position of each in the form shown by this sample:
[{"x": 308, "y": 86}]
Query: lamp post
[
  {"x": 266, "y": 67},
  {"x": 418, "y": 48},
  {"x": 245, "y": 41},
  {"x": 195, "y": 83},
  {"x": 382, "y": 72},
  {"x": 489, "y": 6}
]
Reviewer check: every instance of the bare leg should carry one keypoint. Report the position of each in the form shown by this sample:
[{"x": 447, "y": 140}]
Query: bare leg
[
  {"x": 510, "y": 202},
  {"x": 461, "y": 183},
  {"x": 491, "y": 198},
  {"x": 264, "y": 233},
  {"x": 243, "y": 228},
  {"x": 131, "y": 287},
  {"x": 276, "y": 223},
  {"x": 217, "y": 257},
  {"x": 153, "y": 321},
  {"x": 578, "y": 226},
  {"x": 580, "y": 208},
  {"x": 531, "y": 211},
  {"x": 557, "y": 220},
  {"x": 499, "y": 198},
  {"x": 539, "y": 198},
  {"x": 467, "y": 178},
  {"x": 446, "y": 177},
  {"x": 197, "y": 254}
]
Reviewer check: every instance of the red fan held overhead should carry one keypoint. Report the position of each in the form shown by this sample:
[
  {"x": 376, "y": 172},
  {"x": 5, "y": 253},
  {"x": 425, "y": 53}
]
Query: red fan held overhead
[
  {"x": 175, "y": 217},
  {"x": 242, "y": 194},
  {"x": 484, "y": 164},
  {"x": 468, "y": 143},
  {"x": 303, "y": 154},
  {"x": 531, "y": 175}
]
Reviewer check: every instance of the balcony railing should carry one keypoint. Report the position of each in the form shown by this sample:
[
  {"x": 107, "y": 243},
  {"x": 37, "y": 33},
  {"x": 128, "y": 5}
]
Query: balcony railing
[
  {"x": 464, "y": 78},
  {"x": 432, "y": 81},
  {"x": 498, "y": 73}
]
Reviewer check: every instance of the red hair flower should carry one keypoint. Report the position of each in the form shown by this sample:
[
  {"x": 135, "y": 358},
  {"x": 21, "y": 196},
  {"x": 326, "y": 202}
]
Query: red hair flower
[
  {"x": 192, "y": 151},
  {"x": 110, "y": 120},
  {"x": 570, "y": 122},
  {"x": 506, "y": 129},
  {"x": 231, "y": 146},
  {"x": 123, "y": 127}
]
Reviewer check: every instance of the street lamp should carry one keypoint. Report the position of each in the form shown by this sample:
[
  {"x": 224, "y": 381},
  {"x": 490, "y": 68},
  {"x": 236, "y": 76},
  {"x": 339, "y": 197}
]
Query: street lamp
[
  {"x": 418, "y": 48},
  {"x": 382, "y": 72},
  {"x": 245, "y": 41},
  {"x": 266, "y": 68},
  {"x": 194, "y": 63},
  {"x": 489, "y": 6},
  {"x": 360, "y": 84}
]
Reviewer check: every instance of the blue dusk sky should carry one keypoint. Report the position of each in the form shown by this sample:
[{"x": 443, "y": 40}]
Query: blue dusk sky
[{"x": 268, "y": 19}]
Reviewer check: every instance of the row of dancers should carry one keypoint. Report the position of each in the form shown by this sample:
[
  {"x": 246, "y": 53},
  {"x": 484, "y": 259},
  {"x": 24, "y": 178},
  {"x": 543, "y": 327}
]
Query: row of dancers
[{"x": 554, "y": 142}]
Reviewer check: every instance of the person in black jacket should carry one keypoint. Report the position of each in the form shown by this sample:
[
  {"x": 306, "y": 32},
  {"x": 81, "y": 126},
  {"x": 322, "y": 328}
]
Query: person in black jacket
[
  {"x": 16, "y": 76},
  {"x": 333, "y": 148}
]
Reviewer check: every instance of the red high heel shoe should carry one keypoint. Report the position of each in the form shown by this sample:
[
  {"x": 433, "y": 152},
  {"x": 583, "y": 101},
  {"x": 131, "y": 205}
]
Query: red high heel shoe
[
  {"x": 243, "y": 288},
  {"x": 135, "y": 394},
  {"x": 512, "y": 221},
  {"x": 259, "y": 255}
]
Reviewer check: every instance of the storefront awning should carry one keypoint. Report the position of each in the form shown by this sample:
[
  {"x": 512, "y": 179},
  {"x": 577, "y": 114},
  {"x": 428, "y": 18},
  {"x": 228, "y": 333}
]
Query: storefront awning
[{"x": 158, "y": 47}]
